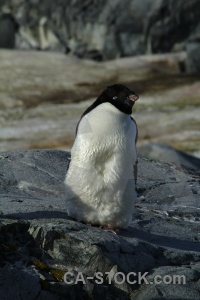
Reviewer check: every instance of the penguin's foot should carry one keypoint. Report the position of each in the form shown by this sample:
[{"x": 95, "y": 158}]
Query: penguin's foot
[{"x": 115, "y": 230}]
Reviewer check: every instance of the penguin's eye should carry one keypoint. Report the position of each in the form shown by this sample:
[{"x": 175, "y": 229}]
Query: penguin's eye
[{"x": 115, "y": 97}]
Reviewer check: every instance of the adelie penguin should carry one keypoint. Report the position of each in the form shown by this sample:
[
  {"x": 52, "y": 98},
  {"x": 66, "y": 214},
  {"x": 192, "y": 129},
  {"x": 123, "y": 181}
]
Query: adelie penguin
[{"x": 100, "y": 179}]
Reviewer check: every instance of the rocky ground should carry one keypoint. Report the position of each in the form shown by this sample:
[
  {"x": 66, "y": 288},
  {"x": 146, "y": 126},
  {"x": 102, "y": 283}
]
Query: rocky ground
[
  {"x": 39, "y": 243},
  {"x": 42, "y": 96}
]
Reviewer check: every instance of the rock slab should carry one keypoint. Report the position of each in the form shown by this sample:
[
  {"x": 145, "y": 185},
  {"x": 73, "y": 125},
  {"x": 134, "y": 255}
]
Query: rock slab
[{"x": 39, "y": 243}]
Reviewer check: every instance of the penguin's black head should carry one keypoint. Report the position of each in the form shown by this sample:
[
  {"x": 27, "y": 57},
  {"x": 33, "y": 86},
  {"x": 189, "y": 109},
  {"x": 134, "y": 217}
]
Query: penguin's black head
[{"x": 120, "y": 96}]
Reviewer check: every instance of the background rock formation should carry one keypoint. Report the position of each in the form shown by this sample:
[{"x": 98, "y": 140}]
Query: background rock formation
[{"x": 104, "y": 30}]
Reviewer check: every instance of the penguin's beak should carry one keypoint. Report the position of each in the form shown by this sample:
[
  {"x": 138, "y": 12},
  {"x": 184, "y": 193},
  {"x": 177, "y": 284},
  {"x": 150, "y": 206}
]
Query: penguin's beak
[{"x": 133, "y": 97}]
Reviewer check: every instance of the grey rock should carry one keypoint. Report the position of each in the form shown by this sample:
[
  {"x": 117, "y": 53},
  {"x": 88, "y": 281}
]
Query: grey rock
[
  {"x": 8, "y": 29},
  {"x": 18, "y": 284},
  {"x": 107, "y": 28},
  {"x": 40, "y": 243},
  {"x": 45, "y": 295},
  {"x": 181, "y": 283},
  {"x": 193, "y": 60},
  {"x": 166, "y": 23},
  {"x": 166, "y": 153}
]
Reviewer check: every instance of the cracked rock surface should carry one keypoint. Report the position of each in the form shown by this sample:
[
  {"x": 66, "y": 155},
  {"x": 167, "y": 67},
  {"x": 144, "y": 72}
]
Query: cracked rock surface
[{"x": 39, "y": 243}]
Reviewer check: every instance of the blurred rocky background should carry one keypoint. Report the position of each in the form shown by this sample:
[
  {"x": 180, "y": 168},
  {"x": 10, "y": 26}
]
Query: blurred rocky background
[{"x": 57, "y": 56}]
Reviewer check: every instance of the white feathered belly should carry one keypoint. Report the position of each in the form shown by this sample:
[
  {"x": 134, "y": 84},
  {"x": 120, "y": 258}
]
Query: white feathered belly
[{"x": 100, "y": 182}]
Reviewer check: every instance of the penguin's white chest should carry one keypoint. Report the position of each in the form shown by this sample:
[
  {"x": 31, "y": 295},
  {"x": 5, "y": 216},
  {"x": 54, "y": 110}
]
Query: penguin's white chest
[{"x": 100, "y": 183}]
